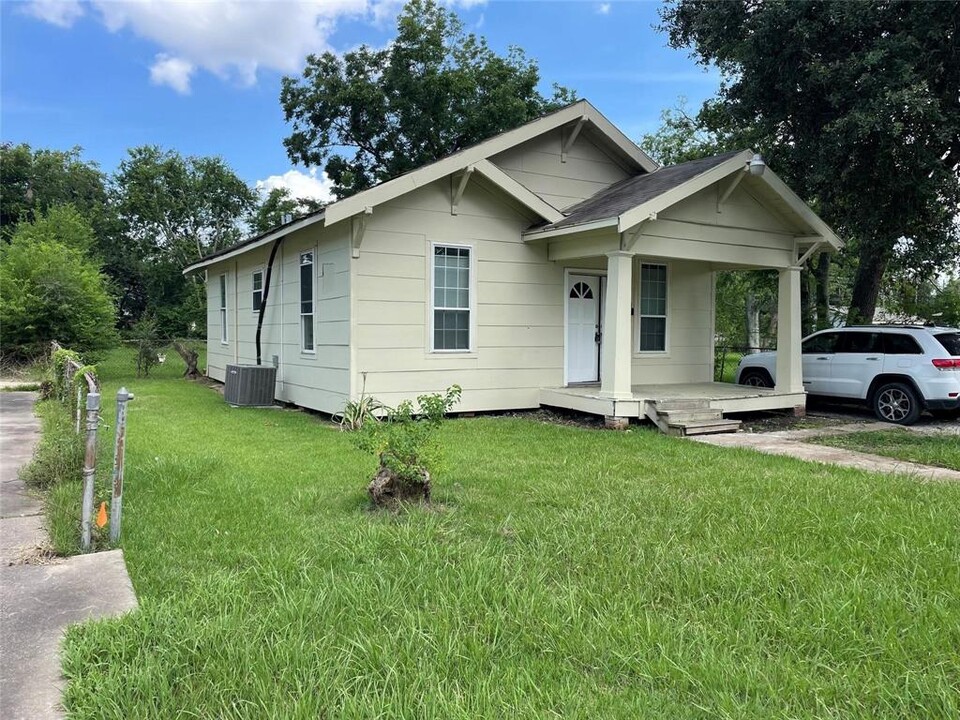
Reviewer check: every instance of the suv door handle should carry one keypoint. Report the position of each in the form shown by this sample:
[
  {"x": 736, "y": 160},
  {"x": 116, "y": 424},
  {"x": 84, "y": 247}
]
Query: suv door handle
[
  {"x": 873, "y": 358},
  {"x": 823, "y": 358}
]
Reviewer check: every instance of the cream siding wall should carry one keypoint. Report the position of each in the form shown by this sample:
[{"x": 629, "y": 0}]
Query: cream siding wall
[
  {"x": 320, "y": 381},
  {"x": 517, "y": 313},
  {"x": 536, "y": 165},
  {"x": 690, "y": 313},
  {"x": 742, "y": 234}
]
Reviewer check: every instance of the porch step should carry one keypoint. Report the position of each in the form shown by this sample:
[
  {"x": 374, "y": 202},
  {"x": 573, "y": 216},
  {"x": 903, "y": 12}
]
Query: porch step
[
  {"x": 665, "y": 405},
  {"x": 676, "y": 417},
  {"x": 689, "y": 416},
  {"x": 705, "y": 427}
]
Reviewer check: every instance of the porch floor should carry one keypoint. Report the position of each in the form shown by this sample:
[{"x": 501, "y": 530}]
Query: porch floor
[{"x": 726, "y": 397}]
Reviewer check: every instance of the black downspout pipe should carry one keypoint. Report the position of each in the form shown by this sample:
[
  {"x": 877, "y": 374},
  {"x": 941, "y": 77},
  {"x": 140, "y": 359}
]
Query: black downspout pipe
[{"x": 266, "y": 292}]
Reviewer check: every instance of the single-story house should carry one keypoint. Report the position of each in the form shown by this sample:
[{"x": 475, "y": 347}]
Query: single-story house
[{"x": 552, "y": 264}]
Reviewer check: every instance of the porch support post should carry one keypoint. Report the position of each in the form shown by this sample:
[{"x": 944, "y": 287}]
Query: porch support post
[
  {"x": 789, "y": 367},
  {"x": 615, "y": 376}
]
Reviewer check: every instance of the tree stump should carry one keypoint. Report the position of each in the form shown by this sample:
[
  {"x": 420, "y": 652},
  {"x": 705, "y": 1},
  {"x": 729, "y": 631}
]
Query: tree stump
[
  {"x": 190, "y": 357},
  {"x": 387, "y": 489}
]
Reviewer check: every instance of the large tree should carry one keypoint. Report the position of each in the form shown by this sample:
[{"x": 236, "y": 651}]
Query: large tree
[
  {"x": 33, "y": 181},
  {"x": 173, "y": 211},
  {"x": 51, "y": 288},
  {"x": 376, "y": 113},
  {"x": 856, "y": 104}
]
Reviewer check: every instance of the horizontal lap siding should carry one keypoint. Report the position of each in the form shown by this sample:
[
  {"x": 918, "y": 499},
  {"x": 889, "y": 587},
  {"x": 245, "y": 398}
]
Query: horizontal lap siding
[
  {"x": 518, "y": 343},
  {"x": 320, "y": 381},
  {"x": 689, "y": 356},
  {"x": 742, "y": 233},
  {"x": 536, "y": 165}
]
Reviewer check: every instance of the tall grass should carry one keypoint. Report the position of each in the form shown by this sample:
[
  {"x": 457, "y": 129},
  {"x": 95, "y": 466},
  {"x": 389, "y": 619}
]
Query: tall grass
[{"x": 562, "y": 572}]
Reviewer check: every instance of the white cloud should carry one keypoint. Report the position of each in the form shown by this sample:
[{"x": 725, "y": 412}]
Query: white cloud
[
  {"x": 233, "y": 39},
  {"x": 62, "y": 13},
  {"x": 603, "y": 8},
  {"x": 171, "y": 71},
  {"x": 300, "y": 185}
]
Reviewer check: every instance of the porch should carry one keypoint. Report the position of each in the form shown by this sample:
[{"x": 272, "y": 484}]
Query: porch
[{"x": 647, "y": 401}]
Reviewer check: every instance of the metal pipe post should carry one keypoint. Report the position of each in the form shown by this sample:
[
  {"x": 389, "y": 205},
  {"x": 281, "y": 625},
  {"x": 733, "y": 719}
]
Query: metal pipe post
[
  {"x": 89, "y": 468},
  {"x": 119, "y": 445}
]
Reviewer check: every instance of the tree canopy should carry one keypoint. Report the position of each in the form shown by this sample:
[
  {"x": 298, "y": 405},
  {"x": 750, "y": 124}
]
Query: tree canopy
[
  {"x": 857, "y": 105},
  {"x": 50, "y": 288},
  {"x": 33, "y": 181},
  {"x": 278, "y": 207},
  {"x": 374, "y": 114}
]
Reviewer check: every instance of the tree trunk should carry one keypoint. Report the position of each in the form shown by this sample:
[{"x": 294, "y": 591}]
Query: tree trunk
[
  {"x": 822, "y": 275},
  {"x": 190, "y": 357},
  {"x": 806, "y": 304},
  {"x": 753, "y": 323},
  {"x": 388, "y": 489},
  {"x": 866, "y": 285}
]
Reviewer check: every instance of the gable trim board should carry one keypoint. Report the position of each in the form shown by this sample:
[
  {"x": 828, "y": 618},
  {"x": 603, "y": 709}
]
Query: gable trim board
[{"x": 374, "y": 277}]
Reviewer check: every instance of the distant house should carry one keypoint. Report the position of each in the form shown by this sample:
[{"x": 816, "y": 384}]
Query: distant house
[{"x": 552, "y": 264}]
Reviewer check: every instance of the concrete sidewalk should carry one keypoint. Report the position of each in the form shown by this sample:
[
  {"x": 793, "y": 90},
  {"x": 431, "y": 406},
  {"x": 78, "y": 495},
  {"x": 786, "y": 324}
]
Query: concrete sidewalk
[
  {"x": 40, "y": 595},
  {"x": 791, "y": 443}
]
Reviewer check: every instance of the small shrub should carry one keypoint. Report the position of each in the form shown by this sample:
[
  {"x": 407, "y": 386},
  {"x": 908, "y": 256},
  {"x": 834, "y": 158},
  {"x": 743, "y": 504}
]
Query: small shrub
[
  {"x": 146, "y": 334},
  {"x": 357, "y": 414},
  {"x": 58, "y": 457},
  {"x": 405, "y": 443}
]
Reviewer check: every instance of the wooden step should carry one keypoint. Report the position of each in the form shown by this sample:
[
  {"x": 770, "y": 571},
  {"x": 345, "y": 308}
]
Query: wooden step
[
  {"x": 689, "y": 416},
  {"x": 706, "y": 427},
  {"x": 682, "y": 404}
]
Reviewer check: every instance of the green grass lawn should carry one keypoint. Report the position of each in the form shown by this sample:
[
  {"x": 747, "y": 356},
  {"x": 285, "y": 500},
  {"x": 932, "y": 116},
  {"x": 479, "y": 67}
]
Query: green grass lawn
[
  {"x": 939, "y": 450},
  {"x": 563, "y": 572}
]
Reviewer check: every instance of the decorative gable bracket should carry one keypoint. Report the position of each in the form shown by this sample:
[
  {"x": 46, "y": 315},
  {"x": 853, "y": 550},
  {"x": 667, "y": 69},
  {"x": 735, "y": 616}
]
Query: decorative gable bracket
[
  {"x": 572, "y": 138},
  {"x": 461, "y": 185},
  {"x": 358, "y": 226}
]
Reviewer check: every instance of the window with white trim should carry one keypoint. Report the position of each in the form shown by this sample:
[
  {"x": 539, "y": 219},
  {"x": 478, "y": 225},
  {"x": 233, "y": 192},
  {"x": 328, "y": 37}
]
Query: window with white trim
[
  {"x": 451, "y": 297},
  {"x": 223, "y": 309},
  {"x": 257, "y": 290},
  {"x": 306, "y": 302},
  {"x": 652, "y": 331}
]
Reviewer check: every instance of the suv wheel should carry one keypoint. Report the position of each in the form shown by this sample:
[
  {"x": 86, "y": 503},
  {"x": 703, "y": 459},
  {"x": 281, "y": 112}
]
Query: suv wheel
[
  {"x": 756, "y": 378},
  {"x": 896, "y": 403}
]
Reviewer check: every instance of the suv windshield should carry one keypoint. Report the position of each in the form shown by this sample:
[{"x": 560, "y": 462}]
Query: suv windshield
[{"x": 950, "y": 342}]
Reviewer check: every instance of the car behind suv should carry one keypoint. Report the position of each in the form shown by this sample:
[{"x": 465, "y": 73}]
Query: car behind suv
[{"x": 898, "y": 370}]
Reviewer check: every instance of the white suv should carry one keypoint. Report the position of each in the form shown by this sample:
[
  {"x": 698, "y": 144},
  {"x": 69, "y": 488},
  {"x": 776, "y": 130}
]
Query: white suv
[{"x": 898, "y": 370}]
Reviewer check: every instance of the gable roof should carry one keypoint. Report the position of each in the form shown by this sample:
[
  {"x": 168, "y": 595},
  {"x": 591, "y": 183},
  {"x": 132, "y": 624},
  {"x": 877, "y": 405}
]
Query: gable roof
[
  {"x": 605, "y": 132},
  {"x": 634, "y": 191},
  {"x": 634, "y": 200}
]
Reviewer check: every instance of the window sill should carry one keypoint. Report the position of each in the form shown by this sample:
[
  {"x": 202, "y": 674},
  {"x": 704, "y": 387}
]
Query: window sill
[{"x": 451, "y": 353}]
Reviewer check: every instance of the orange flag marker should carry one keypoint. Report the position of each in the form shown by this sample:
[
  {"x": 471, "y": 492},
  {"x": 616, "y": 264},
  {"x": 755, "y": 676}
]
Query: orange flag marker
[{"x": 102, "y": 515}]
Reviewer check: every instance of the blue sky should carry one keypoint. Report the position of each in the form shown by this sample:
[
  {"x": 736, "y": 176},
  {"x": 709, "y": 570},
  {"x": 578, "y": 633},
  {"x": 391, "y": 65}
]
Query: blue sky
[{"x": 203, "y": 77}]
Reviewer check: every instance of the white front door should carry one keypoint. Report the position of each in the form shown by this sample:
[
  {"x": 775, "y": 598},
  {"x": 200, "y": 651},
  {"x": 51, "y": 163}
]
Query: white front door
[{"x": 583, "y": 328}]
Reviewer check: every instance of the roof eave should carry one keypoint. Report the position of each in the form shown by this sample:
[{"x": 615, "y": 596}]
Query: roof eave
[{"x": 266, "y": 239}]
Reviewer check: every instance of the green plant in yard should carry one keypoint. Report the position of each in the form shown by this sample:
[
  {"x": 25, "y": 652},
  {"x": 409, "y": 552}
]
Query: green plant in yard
[
  {"x": 61, "y": 356},
  {"x": 146, "y": 334},
  {"x": 58, "y": 457},
  {"x": 357, "y": 413},
  {"x": 405, "y": 443}
]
